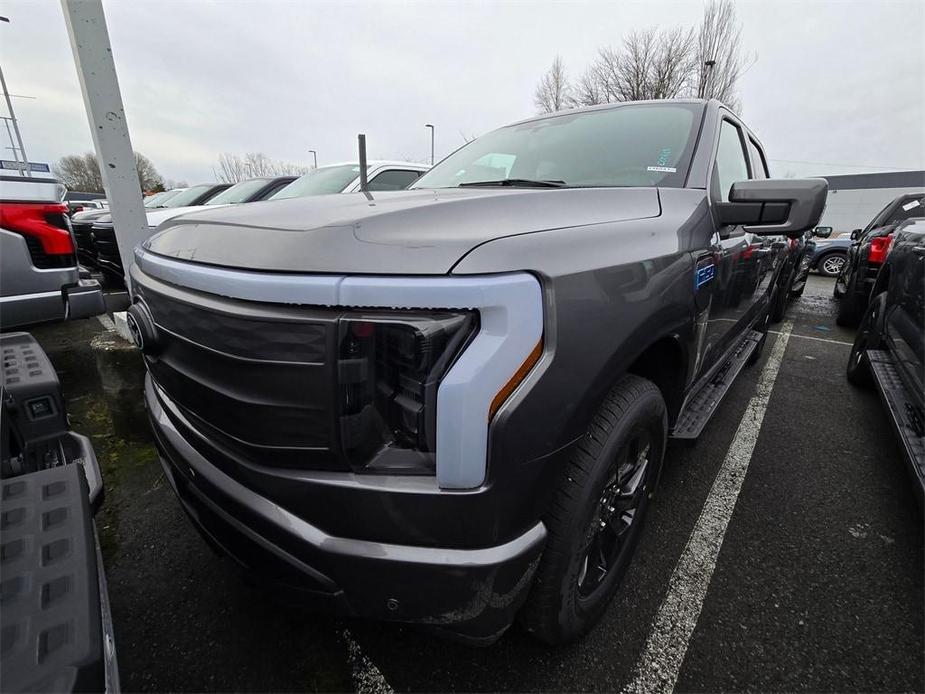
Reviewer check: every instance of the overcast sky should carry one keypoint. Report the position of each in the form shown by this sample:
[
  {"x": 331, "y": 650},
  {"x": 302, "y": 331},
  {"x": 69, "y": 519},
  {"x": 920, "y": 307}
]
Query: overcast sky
[{"x": 837, "y": 86}]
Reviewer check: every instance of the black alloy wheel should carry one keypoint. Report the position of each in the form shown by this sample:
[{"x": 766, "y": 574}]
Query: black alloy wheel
[{"x": 624, "y": 495}]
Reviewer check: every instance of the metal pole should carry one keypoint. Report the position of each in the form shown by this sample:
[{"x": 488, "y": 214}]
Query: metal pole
[
  {"x": 6, "y": 122},
  {"x": 428, "y": 125},
  {"x": 9, "y": 107},
  {"x": 361, "y": 141},
  {"x": 315, "y": 155},
  {"x": 99, "y": 84}
]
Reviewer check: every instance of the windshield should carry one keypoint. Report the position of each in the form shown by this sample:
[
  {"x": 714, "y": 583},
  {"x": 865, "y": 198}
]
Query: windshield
[
  {"x": 239, "y": 192},
  {"x": 187, "y": 197},
  {"x": 155, "y": 199},
  {"x": 637, "y": 145},
  {"x": 327, "y": 179}
]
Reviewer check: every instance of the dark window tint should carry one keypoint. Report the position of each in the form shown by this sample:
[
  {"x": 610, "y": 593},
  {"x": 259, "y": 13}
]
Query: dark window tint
[
  {"x": 730, "y": 161},
  {"x": 908, "y": 209},
  {"x": 894, "y": 213},
  {"x": 393, "y": 179},
  {"x": 759, "y": 168}
]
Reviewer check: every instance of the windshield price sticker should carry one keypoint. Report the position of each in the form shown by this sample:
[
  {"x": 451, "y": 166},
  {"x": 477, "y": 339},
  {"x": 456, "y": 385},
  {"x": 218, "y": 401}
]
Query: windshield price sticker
[
  {"x": 662, "y": 169},
  {"x": 909, "y": 205}
]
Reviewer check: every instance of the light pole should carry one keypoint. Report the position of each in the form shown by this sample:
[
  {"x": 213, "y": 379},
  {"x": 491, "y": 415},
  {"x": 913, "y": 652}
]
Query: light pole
[
  {"x": 9, "y": 106},
  {"x": 315, "y": 155},
  {"x": 708, "y": 64},
  {"x": 428, "y": 125}
]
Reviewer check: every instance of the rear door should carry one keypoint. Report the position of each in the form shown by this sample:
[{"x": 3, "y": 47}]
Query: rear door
[{"x": 906, "y": 321}]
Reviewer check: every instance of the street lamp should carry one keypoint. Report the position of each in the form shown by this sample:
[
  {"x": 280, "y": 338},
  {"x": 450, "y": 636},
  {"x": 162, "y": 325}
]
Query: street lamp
[
  {"x": 428, "y": 125},
  {"x": 315, "y": 155}
]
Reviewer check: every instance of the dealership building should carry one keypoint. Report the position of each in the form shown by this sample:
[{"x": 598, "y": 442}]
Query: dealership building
[{"x": 854, "y": 199}]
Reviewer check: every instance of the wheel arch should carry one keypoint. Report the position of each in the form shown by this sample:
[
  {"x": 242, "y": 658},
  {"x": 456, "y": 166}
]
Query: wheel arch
[{"x": 664, "y": 363}]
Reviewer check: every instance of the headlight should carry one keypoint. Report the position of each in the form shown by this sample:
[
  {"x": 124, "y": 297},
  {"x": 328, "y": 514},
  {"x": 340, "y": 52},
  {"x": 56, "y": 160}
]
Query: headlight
[{"x": 389, "y": 369}]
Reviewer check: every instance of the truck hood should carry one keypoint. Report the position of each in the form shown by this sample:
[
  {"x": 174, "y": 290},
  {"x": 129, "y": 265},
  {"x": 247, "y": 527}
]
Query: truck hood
[
  {"x": 160, "y": 215},
  {"x": 403, "y": 232}
]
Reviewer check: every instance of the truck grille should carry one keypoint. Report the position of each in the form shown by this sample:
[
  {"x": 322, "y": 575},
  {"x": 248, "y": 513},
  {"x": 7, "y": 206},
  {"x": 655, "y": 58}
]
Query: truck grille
[{"x": 257, "y": 379}]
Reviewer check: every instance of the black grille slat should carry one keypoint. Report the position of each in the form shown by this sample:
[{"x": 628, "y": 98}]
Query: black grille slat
[
  {"x": 254, "y": 378},
  {"x": 243, "y": 337}
]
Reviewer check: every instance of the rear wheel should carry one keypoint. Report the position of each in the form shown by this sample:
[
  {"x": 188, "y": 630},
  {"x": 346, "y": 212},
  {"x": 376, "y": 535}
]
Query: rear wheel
[
  {"x": 596, "y": 516},
  {"x": 831, "y": 264},
  {"x": 869, "y": 337}
]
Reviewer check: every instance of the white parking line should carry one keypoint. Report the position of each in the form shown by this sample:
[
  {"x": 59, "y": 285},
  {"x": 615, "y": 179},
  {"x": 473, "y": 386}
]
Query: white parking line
[
  {"x": 810, "y": 337},
  {"x": 660, "y": 663},
  {"x": 365, "y": 675},
  {"x": 106, "y": 322}
]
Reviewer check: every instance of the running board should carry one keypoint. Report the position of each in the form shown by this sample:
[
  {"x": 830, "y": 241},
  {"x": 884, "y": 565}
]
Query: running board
[
  {"x": 701, "y": 406},
  {"x": 905, "y": 416}
]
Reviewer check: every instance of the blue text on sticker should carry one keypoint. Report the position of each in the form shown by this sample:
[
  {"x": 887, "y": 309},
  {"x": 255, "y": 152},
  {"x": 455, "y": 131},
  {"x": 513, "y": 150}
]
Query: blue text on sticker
[{"x": 703, "y": 275}]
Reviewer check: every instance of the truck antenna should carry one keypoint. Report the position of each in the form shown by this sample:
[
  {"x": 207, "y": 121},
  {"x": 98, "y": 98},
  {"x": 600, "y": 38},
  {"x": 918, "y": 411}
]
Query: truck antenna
[{"x": 364, "y": 184}]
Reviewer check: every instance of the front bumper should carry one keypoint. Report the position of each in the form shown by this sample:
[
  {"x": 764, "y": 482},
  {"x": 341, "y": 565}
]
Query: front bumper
[{"x": 468, "y": 593}]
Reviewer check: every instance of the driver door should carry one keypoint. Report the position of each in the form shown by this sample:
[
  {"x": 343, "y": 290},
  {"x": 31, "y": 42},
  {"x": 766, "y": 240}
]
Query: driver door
[{"x": 744, "y": 263}]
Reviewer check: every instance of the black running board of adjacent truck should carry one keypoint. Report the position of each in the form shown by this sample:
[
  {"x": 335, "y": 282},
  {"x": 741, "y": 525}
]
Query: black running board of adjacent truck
[
  {"x": 905, "y": 416},
  {"x": 702, "y": 404}
]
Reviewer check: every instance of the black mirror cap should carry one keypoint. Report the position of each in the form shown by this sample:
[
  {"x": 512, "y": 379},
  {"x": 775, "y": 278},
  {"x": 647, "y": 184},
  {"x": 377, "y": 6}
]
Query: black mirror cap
[
  {"x": 822, "y": 232},
  {"x": 803, "y": 198}
]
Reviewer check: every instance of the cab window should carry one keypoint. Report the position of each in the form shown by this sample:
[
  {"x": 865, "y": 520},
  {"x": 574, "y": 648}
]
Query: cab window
[
  {"x": 759, "y": 167},
  {"x": 730, "y": 165},
  {"x": 393, "y": 179}
]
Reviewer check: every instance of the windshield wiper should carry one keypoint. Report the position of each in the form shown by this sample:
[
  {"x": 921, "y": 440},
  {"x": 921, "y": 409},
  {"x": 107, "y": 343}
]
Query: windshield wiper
[{"x": 515, "y": 183}]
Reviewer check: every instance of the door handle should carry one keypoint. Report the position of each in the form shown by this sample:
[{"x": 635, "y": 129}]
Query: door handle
[{"x": 918, "y": 250}]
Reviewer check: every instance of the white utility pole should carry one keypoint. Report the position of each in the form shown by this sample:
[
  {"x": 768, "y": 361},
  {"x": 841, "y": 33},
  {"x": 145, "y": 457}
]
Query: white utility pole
[{"x": 86, "y": 28}]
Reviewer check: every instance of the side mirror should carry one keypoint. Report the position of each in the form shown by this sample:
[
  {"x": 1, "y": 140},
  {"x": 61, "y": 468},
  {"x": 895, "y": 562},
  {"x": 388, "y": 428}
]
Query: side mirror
[
  {"x": 822, "y": 232},
  {"x": 775, "y": 206},
  {"x": 855, "y": 234}
]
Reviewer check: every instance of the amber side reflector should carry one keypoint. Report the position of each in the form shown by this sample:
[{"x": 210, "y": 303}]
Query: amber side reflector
[{"x": 518, "y": 376}]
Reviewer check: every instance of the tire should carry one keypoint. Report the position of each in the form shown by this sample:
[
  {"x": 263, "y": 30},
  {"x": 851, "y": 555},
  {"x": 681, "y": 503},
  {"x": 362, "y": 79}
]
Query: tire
[
  {"x": 870, "y": 336},
  {"x": 779, "y": 302},
  {"x": 831, "y": 264},
  {"x": 850, "y": 309},
  {"x": 568, "y": 595}
]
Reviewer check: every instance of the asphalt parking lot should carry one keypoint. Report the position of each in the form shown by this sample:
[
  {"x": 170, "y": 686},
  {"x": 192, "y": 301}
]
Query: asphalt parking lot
[{"x": 784, "y": 553}]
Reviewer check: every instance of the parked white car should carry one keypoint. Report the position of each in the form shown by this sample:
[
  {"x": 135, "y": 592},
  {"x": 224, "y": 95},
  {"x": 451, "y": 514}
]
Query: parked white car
[{"x": 345, "y": 178}]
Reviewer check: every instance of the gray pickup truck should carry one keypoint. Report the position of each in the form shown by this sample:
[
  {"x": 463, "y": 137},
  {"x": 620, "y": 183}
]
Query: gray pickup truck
[
  {"x": 449, "y": 405},
  {"x": 40, "y": 279}
]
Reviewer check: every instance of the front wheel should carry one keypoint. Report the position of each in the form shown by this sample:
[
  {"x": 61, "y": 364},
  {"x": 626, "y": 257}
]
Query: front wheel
[
  {"x": 831, "y": 265},
  {"x": 595, "y": 519},
  {"x": 869, "y": 336}
]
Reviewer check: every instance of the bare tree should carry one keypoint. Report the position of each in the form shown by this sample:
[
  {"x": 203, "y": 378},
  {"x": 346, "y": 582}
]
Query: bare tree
[
  {"x": 552, "y": 93},
  {"x": 233, "y": 168},
  {"x": 720, "y": 56},
  {"x": 81, "y": 172},
  {"x": 654, "y": 63}
]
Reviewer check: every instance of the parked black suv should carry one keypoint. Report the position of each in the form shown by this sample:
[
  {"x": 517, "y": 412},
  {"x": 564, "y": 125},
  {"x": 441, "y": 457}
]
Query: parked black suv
[
  {"x": 867, "y": 253},
  {"x": 450, "y": 404},
  {"x": 889, "y": 349}
]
